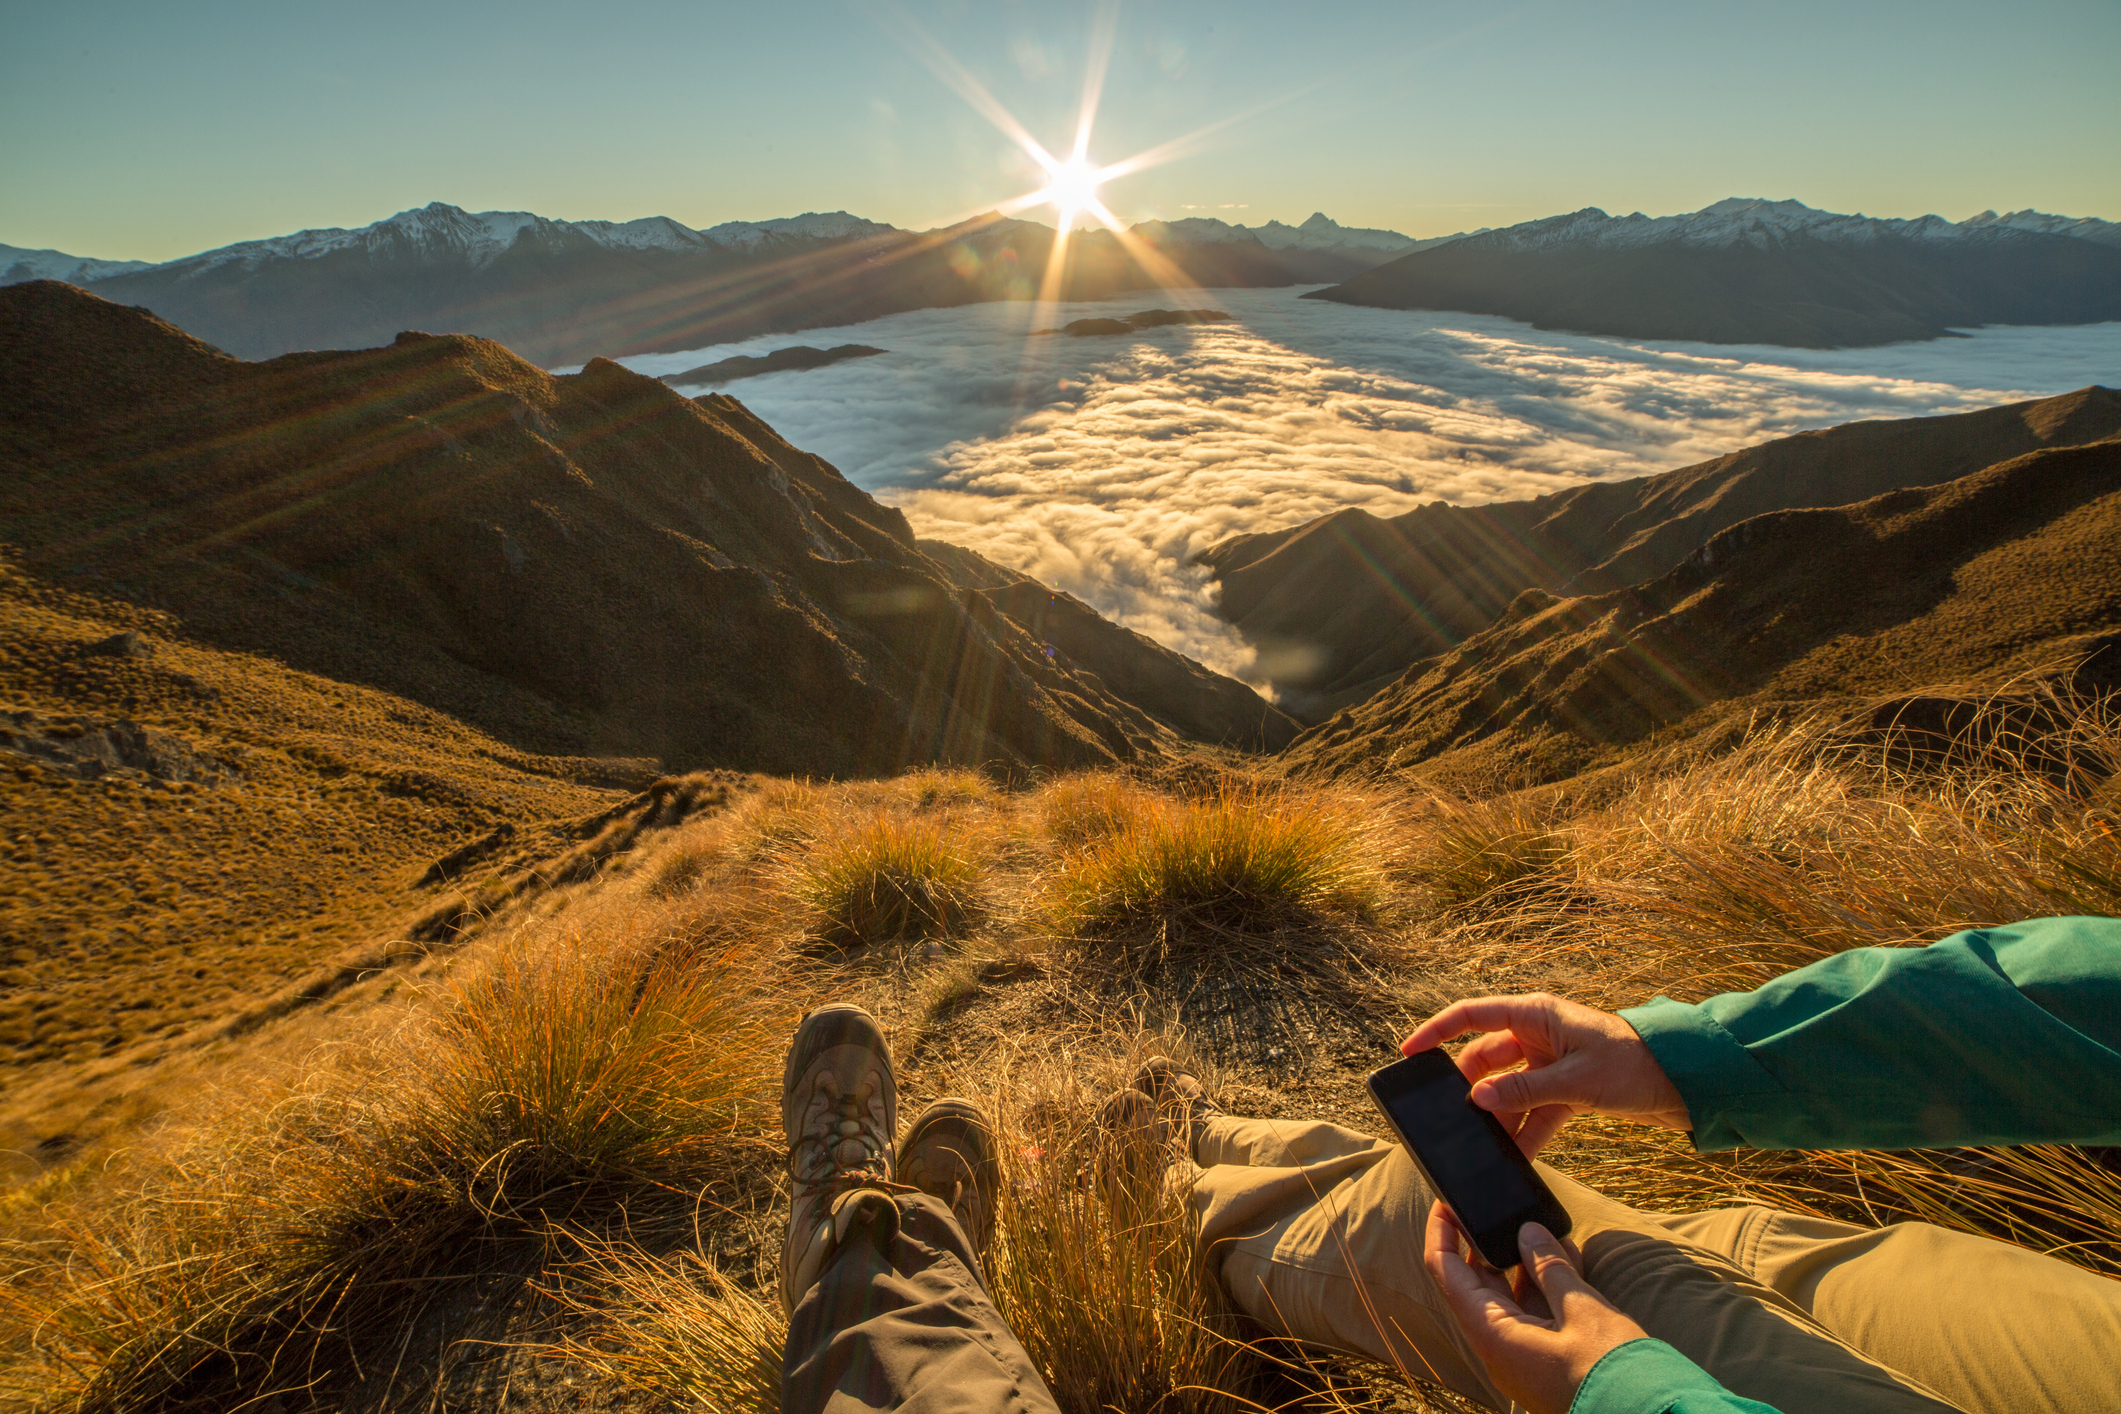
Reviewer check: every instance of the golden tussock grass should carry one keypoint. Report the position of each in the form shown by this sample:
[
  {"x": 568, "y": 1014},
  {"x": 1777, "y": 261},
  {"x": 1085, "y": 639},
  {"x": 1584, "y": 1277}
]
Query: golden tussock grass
[
  {"x": 887, "y": 878},
  {"x": 563, "y": 1087},
  {"x": 1171, "y": 877},
  {"x": 1079, "y": 809}
]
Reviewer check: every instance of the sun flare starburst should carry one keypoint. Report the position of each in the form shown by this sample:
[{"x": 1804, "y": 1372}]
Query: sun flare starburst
[{"x": 1071, "y": 186}]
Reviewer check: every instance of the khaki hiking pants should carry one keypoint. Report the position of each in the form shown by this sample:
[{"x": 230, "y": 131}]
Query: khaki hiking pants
[
  {"x": 1317, "y": 1231},
  {"x": 900, "y": 1320}
]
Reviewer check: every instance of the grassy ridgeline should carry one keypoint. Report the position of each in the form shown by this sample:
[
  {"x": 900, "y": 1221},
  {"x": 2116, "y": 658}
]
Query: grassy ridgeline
[{"x": 572, "y": 1147}]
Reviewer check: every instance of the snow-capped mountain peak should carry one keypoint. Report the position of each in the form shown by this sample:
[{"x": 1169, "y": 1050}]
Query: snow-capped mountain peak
[
  {"x": 18, "y": 265},
  {"x": 1322, "y": 232},
  {"x": 1763, "y": 223},
  {"x": 816, "y": 225},
  {"x": 2084, "y": 228},
  {"x": 478, "y": 238}
]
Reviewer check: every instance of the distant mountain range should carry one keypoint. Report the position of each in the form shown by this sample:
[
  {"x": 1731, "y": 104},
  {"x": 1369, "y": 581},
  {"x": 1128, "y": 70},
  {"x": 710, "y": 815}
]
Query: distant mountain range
[
  {"x": 587, "y": 565},
  {"x": 561, "y": 292},
  {"x": 1746, "y": 271}
]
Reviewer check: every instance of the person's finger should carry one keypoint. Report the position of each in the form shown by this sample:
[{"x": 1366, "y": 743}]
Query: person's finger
[
  {"x": 1540, "y": 1127},
  {"x": 1444, "y": 1242},
  {"x": 1479, "y": 1299},
  {"x": 1489, "y": 1052},
  {"x": 1554, "y": 1267},
  {"x": 1521, "y": 1090},
  {"x": 1476, "y": 1014}
]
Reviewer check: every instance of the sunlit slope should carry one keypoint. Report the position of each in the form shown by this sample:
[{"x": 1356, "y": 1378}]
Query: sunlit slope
[
  {"x": 2009, "y": 572},
  {"x": 590, "y": 564},
  {"x": 1348, "y": 602}
]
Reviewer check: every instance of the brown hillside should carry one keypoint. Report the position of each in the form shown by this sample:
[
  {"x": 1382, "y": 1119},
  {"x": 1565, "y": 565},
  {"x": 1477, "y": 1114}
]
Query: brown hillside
[
  {"x": 589, "y": 564},
  {"x": 2010, "y": 569},
  {"x": 296, "y": 657},
  {"x": 1346, "y": 603}
]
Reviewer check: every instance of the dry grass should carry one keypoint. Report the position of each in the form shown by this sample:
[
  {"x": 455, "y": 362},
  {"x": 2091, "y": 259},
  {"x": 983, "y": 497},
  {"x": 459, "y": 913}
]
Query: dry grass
[
  {"x": 1082, "y": 809},
  {"x": 1481, "y": 853},
  {"x": 1099, "y": 1274},
  {"x": 1175, "y": 876},
  {"x": 888, "y": 878},
  {"x": 676, "y": 1330},
  {"x": 561, "y": 1088}
]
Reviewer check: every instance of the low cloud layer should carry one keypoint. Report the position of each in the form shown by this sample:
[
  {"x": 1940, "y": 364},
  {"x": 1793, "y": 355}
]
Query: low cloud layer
[{"x": 1101, "y": 465}]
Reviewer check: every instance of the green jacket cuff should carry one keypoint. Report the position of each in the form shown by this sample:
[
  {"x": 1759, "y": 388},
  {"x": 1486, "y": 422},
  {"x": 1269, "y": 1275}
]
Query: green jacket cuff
[
  {"x": 1649, "y": 1377},
  {"x": 1715, "y": 1075}
]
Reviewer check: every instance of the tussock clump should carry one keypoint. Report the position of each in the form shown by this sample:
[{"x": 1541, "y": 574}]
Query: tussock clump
[
  {"x": 1179, "y": 875},
  {"x": 1780, "y": 854},
  {"x": 1080, "y": 809},
  {"x": 784, "y": 816},
  {"x": 687, "y": 863},
  {"x": 1476, "y": 852},
  {"x": 560, "y": 1090},
  {"x": 936, "y": 789},
  {"x": 888, "y": 879}
]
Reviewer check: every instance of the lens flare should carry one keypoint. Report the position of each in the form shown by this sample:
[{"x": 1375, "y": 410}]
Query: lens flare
[{"x": 1072, "y": 185}]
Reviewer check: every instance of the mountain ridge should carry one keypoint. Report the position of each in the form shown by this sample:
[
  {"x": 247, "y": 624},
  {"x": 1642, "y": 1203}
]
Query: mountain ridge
[
  {"x": 1352, "y": 599},
  {"x": 2004, "y": 573},
  {"x": 585, "y": 565},
  {"x": 1748, "y": 271},
  {"x": 562, "y": 292}
]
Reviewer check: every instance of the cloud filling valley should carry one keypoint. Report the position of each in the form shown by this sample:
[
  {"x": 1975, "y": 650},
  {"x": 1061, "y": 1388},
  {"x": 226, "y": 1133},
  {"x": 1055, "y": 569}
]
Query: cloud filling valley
[{"x": 1101, "y": 465}]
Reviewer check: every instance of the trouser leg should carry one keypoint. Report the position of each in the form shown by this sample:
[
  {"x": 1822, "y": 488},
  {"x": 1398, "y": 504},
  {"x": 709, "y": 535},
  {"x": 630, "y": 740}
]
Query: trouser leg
[
  {"x": 1753, "y": 1338},
  {"x": 1989, "y": 1326},
  {"x": 900, "y": 1320},
  {"x": 1317, "y": 1230}
]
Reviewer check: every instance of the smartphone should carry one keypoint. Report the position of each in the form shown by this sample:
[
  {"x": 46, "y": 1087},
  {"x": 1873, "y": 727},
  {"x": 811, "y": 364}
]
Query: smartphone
[{"x": 1469, "y": 1159}]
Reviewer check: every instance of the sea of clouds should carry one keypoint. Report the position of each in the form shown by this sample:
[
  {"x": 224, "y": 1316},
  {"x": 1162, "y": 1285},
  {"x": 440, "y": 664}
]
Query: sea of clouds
[{"x": 1102, "y": 465}]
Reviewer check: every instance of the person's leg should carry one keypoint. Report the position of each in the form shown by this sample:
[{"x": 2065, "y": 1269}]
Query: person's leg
[
  {"x": 882, "y": 1277},
  {"x": 1990, "y": 1326},
  {"x": 899, "y": 1320},
  {"x": 1752, "y": 1337},
  {"x": 1316, "y": 1231}
]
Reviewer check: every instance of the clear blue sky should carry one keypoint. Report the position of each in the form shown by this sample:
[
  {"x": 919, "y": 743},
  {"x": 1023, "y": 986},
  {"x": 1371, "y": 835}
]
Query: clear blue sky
[{"x": 151, "y": 130}]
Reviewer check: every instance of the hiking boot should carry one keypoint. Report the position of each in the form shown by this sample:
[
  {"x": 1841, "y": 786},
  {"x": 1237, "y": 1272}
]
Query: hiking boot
[
  {"x": 1181, "y": 1101},
  {"x": 949, "y": 1151},
  {"x": 839, "y": 1109},
  {"x": 1133, "y": 1143}
]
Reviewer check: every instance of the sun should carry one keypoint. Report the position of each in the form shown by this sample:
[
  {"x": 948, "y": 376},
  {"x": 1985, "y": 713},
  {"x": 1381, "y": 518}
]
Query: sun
[{"x": 1072, "y": 185}]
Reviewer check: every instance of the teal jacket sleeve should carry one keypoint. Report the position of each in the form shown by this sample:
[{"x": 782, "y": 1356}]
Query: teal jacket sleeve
[
  {"x": 1649, "y": 1377},
  {"x": 1991, "y": 1036}
]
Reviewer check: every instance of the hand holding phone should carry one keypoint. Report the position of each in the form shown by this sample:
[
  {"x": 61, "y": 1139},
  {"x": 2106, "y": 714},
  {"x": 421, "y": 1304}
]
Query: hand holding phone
[
  {"x": 1469, "y": 1159},
  {"x": 1537, "y": 1351}
]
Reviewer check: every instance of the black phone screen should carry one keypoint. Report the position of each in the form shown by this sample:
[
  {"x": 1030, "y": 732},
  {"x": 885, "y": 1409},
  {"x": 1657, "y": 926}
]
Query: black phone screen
[{"x": 1469, "y": 1157}]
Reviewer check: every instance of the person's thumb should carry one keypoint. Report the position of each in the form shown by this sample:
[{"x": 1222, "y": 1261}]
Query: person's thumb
[
  {"x": 1554, "y": 1269},
  {"x": 1521, "y": 1090}
]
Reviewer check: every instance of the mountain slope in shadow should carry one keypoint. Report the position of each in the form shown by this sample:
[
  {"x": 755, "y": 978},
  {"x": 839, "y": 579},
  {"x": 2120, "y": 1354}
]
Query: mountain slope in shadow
[
  {"x": 1342, "y": 605},
  {"x": 1755, "y": 273},
  {"x": 2010, "y": 569},
  {"x": 584, "y": 565}
]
